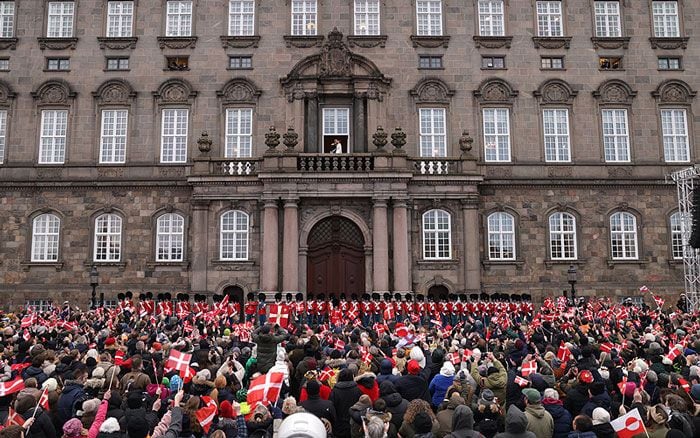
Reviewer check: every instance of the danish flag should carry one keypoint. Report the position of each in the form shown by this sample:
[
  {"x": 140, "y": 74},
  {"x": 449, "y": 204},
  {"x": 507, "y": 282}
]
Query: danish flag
[
  {"x": 119, "y": 358},
  {"x": 401, "y": 331},
  {"x": 179, "y": 361},
  {"x": 521, "y": 382},
  {"x": 279, "y": 314},
  {"x": 389, "y": 313},
  {"x": 326, "y": 374},
  {"x": 659, "y": 301},
  {"x": 206, "y": 414},
  {"x": 7, "y": 388},
  {"x": 606, "y": 347},
  {"x": 339, "y": 344},
  {"x": 685, "y": 385},
  {"x": 454, "y": 358},
  {"x": 265, "y": 389},
  {"x": 674, "y": 353},
  {"x": 564, "y": 354},
  {"x": 44, "y": 399},
  {"x": 366, "y": 356},
  {"x": 13, "y": 418},
  {"x": 528, "y": 368},
  {"x": 27, "y": 321},
  {"x": 629, "y": 424},
  {"x": 467, "y": 354}
]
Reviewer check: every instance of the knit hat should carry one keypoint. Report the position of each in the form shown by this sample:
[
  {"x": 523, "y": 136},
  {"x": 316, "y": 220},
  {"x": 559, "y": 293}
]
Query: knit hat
[
  {"x": 73, "y": 428},
  {"x": 417, "y": 355},
  {"x": 90, "y": 406},
  {"x": 226, "y": 409},
  {"x": 487, "y": 397},
  {"x": 50, "y": 384},
  {"x": 551, "y": 393},
  {"x": 447, "y": 369},
  {"x": 313, "y": 388},
  {"x": 289, "y": 406},
  {"x": 600, "y": 416},
  {"x": 413, "y": 367},
  {"x": 175, "y": 383},
  {"x": 110, "y": 425},
  {"x": 137, "y": 427},
  {"x": 422, "y": 423},
  {"x": 532, "y": 395},
  {"x": 585, "y": 376}
]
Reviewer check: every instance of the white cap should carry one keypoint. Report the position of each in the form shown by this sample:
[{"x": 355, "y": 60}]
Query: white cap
[{"x": 302, "y": 425}]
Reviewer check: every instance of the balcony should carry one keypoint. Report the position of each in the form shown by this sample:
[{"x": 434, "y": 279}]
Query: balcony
[
  {"x": 234, "y": 166},
  {"x": 436, "y": 166},
  {"x": 335, "y": 162}
]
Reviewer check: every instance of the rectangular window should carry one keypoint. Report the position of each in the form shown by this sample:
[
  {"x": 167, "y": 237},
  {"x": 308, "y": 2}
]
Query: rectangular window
[
  {"x": 623, "y": 236},
  {"x": 555, "y": 123},
  {"x": 552, "y": 63},
  {"x": 45, "y": 238},
  {"x": 108, "y": 238},
  {"x": 117, "y": 63},
  {"x": 493, "y": 62},
  {"x": 429, "y": 62},
  {"x": 4, "y": 64},
  {"x": 60, "y": 22},
  {"x": 234, "y": 236},
  {"x": 241, "y": 17},
  {"x": 549, "y": 18},
  {"x": 336, "y": 125},
  {"x": 179, "y": 18},
  {"x": 366, "y": 17},
  {"x": 665, "y": 19},
  {"x": 239, "y": 133},
  {"x": 304, "y": 17},
  {"x": 113, "y": 139},
  {"x": 676, "y": 236},
  {"x": 39, "y": 305},
  {"x": 120, "y": 17},
  {"x": 437, "y": 236},
  {"x": 7, "y": 19},
  {"x": 58, "y": 64},
  {"x": 610, "y": 63},
  {"x": 52, "y": 144},
  {"x": 615, "y": 135},
  {"x": 173, "y": 144},
  {"x": 674, "y": 125},
  {"x": 433, "y": 134},
  {"x": 3, "y": 134},
  {"x": 491, "y": 18},
  {"x": 666, "y": 63},
  {"x": 240, "y": 62},
  {"x": 429, "y": 17},
  {"x": 562, "y": 236},
  {"x": 607, "y": 19},
  {"x": 177, "y": 63},
  {"x": 496, "y": 134}
]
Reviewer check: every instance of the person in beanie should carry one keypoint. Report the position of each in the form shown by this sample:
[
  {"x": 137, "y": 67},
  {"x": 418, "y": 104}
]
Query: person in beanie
[
  {"x": 344, "y": 395},
  {"x": 73, "y": 429},
  {"x": 395, "y": 404},
  {"x": 317, "y": 406},
  {"x": 539, "y": 420},
  {"x": 562, "y": 418},
  {"x": 446, "y": 414},
  {"x": 516, "y": 425},
  {"x": 440, "y": 383},
  {"x": 423, "y": 425},
  {"x": 413, "y": 385},
  {"x": 601, "y": 424}
]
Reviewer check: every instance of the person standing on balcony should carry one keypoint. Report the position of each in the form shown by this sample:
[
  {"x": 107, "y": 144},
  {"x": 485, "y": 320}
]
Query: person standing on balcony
[{"x": 336, "y": 147}]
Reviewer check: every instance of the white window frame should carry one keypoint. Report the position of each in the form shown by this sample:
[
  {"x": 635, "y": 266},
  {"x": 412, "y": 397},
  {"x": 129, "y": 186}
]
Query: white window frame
[
  {"x": 170, "y": 238},
  {"x": 108, "y": 235},
  {"x": 233, "y": 236},
  {"x": 3, "y": 135},
  {"x": 179, "y": 18},
  {"x": 491, "y": 17},
  {"x": 304, "y": 15},
  {"x": 120, "y": 18},
  {"x": 556, "y": 133},
  {"x": 173, "y": 137},
  {"x": 675, "y": 225},
  {"x": 39, "y": 306},
  {"x": 53, "y": 136},
  {"x": 624, "y": 243},
  {"x": 549, "y": 12},
  {"x": 113, "y": 141},
  {"x": 616, "y": 141},
  {"x": 501, "y": 236},
  {"x": 46, "y": 237},
  {"x": 608, "y": 18},
  {"x": 666, "y": 18},
  {"x": 241, "y": 17},
  {"x": 7, "y": 19},
  {"x": 330, "y": 118},
  {"x": 367, "y": 13},
  {"x": 563, "y": 242},
  {"x": 429, "y": 17},
  {"x": 239, "y": 133},
  {"x": 495, "y": 138},
  {"x": 60, "y": 17},
  {"x": 674, "y": 129},
  {"x": 437, "y": 238},
  {"x": 432, "y": 124}
]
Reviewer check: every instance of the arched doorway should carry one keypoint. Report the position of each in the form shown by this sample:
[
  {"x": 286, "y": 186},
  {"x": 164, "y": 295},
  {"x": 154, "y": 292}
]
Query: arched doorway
[
  {"x": 235, "y": 294},
  {"x": 438, "y": 292},
  {"x": 335, "y": 261}
]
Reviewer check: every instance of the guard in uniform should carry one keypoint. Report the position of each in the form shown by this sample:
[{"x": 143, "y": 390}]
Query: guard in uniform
[
  {"x": 251, "y": 307},
  {"x": 262, "y": 309}
]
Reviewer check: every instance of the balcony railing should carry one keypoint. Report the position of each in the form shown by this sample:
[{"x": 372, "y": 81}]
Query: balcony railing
[
  {"x": 335, "y": 163},
  {"x": 236, "y": 166},
  {"x": 436, "y": 166}
]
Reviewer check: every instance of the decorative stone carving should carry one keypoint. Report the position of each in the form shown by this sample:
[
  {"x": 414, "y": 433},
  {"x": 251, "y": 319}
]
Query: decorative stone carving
[
  {"x": 555, "y": 91},
  {"x": 177, "y": 42},
  {"x": 117, "y": 43},
  {"x": 8, "y": 43},
  {"x": 335, "y": 57},
  {"x": 110, "y": 172},
  {"x": 291, "y": 139},
  {"x": 303, "y": 41},
  {"x": 272, "y": 139},
  {"x": 620, "y": 172},
  {"x": 465, "y": 143},
  {"x": 559, "y": 171},
  {"x": 432, "y": 90},
  {"x": 552, "y": 42},
  {"x": 204, "y": 143},
  {"x": 496, "y": 91},
  {"x": 430, "y": 41},
  {"x": 239, "y": 90},
  {"x": 171, "y": 171},
  {"x": 673, "y": 91},
  {"x": 614, "y": 91},
  {"x": 367, "y": 41},
  {"x": 57, "y": 43},
  {"x": 492, "y": 42},
  {"x": 398, "y": 140},
  {"x": 240, "y": 42},
  {"x": 54, "y": 92},
  {"x": 6, "y": 94},
  {"x": 499, "y": 172},
  {"x": 175, "y": 91},
  {"x": 114, "y": 92},
  {"x": 669, "y": 43},
  {"x": 373, "y": 93},
  {"x": 379, "y": 139},
  {"x": 610, "y": 42}
]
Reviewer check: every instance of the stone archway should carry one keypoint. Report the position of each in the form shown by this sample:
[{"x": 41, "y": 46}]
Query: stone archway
[
  {"x": 235, "y": 293},
  {"x": 335, "y": 258}
]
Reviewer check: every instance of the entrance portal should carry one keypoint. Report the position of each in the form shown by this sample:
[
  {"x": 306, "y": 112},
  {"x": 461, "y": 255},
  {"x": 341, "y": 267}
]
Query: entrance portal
[
  {"x": 336, "y": 259},
  {"x": 235, "y": 294}
]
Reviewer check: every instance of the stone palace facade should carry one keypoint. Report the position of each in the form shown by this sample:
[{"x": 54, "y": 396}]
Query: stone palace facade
[{"x": 485, "y": 146}]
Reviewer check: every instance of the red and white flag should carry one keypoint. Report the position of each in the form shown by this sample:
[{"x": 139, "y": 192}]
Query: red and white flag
[
  {"x": 401, "y": 331},
  {"x": 44, "y": 399},
  {"x": 521, "y": 382},
  {"x": 7, "y": 388},
  {"x": 205, "y": 415},
  {"x": 659, "y": 301},
  {"x": 643, "y": 289},
  {"x": 674, "y": 353},
  {"x": 326, "y": 374},
  {"x": 606, "y": 347},
  {"x": 339, "y": 344},
  {"x": 528, "y": 368},
  {"x": 13, "y": 418},
  {"x": 466, "y": 354},
  {"x": 27, "y": 321},
  {"x": 564, "y": 354},
  {"x": 454, "y": 358},
  {"x": 265, "y": 389},
  {"x": 178, "y": 361},
  {"x": 279, "y": 314},
  {"x": 684, "y": 384},
  {"x": 629, "y": 424},
  {"x": 119, "y": 358}
]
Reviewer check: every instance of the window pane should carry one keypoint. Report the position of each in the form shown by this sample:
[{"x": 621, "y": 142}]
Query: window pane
[
  {"x": 549, "y": 19},
  {"x": 367, "y": 17},
  {"x": 241, "y": 17},
  {"x": 174, "y": 135},
  {"x": 607, "y": 19},
  {"x": 179, "y": 18},
  {"x": 437, "y": 235},
  {"x": 7, "y": 19},
  {"x": 108, "y": 236},
  {"x": 120, "y": 18},
  {"x": 304, "y": 17},
  {"x": 45, "y": 238},
  {"x": 169, "y": 237},
  {"x": 496, "y": 134},
  {"x": 429, "y": 17},
  {"x": 114, "y": 135},
  {"x": 239, "y": 133},
  {"x": 675, "y": 135},
  {"x": 52, "y": 144},
  {"x": 615, "y": 135},
  {"x": 433, "y": 135},
  {"x": 60, "y": 20},
  {"x": 234, "y": 236},
  {"x": 555, "y": 123},
  {"x": 491, "y": 18}
]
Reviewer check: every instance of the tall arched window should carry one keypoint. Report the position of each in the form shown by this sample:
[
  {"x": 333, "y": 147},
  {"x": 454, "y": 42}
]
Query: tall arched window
[
  {"x": 623, "y": 236},
  {"x": 562, "y": 236},
  {"x": 234, "y": 236},
  {"x": 676, "y": 236},
  {"x": 170, "y": 231},
  {"x": 437, "y": 239},
  {"x": 108, "y": 238},
  {"x": 501, "y": 235},
  {"x": 46, "y": 230}
]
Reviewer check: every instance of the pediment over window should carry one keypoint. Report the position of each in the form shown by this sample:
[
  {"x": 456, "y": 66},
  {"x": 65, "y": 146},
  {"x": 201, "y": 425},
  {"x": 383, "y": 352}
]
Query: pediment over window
[
  {"x": 673, "y": 91},
  {"x": 432, "y": 90},
  {"x": 555, "y": 91},
  {"x": 6, "y": 94},
  {"x": 54, "y": 92},
  {"x": 239, "y": 90},
  {"x": 114, "y": 92},
  {"x": 495, "y": 91},
  {"x": 615, "y": 91},
  {"x": 175, "y": 91}
]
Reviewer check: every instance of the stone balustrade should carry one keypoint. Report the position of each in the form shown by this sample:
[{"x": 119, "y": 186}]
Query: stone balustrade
[{"x": 335, "y": 162}]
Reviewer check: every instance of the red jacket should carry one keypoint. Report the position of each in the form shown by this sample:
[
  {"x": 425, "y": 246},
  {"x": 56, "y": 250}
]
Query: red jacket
[{"x": 324, "y": 393}]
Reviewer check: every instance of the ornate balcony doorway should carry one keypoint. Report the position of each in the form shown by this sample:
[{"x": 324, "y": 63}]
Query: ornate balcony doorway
[{"x": 335, "y": 260}]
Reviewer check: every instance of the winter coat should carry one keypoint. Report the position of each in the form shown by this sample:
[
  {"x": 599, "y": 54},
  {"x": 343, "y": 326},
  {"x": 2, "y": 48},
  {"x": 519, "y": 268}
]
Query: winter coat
[
  {"x": 597, "y": 401},
  {"x": 320, "y": 408},
  {"x": 71, "y": 398},
  {"x": 367, "y": 383},
  {"x": 357, "y": 411},
  {"x": 267, "y": 348},
  {"x": 42, "y": 427},
  {"x": 35, "y": 372},
  {"x": 463, "y": 424},
  {"x": 343, "y": 396},
  {"x": 100, "y": 416},
  {"x": 577, "y": 434},
  {"x": 516, "y": 425},
  {"x": 444, "y": 417},
  {"x": 386, "y": 372},
  {"x": 395, "y": 404},
  {"x": 413, "y": 387},
  {"x": 539, "y": 421},
  {"x": 135, "y": 380},
  {"x": 562, "y": 418},
  {"x": 175, "y": 424},
  {"x": 576, "y": 399},
  {"x": 438, "y": 388},
  {"x": 604, "y": 430},
  {"x": 407, "y": 431},
  {"x": 495, "y": 382},
  {"x": 149, "y": 415}
]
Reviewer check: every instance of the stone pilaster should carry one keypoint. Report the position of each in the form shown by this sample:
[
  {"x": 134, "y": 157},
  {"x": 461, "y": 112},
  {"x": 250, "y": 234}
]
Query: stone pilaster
[
  {"x": 472, "y": 265},
  {"x": 290, "y": 247},
  {"x": 380, "y": 241},
  {"x": 200, "y": 246},
  {"x": 402, "y": 258},
  {"x": 269, "y": 259}
]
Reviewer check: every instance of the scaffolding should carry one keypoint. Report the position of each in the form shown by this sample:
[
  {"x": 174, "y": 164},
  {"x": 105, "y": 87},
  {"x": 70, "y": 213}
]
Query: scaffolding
[{"x": 685, "y": 180}]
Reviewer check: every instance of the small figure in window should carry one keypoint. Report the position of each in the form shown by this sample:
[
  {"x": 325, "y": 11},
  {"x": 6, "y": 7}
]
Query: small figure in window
[{"x": 336, "y": 147}]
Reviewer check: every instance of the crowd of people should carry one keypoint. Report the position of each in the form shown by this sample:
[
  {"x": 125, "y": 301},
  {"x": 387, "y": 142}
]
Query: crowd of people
[{"x": 456, "y": 368}]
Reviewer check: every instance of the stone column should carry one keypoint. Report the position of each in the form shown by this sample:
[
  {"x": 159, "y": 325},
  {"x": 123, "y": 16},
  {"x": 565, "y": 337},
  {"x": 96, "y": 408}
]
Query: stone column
[
  {"x": 270, "y": 251},
  {"x": 380, "y": 242},
  {"x": 290, "y": 247},
  {"x": 402, "y": 259},
  {"x": 472, "y": 264},
  {"x": 311, "y": 143},
  {"x": 200, "y": 245},
  {"x": 360, "y": 126}
]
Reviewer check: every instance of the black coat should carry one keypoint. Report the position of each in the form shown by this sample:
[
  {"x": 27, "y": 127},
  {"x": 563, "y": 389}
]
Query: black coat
[
  {"x": 42, "y": 427},
  {"x": 267, "y": 349},
  {"x": 562, "y": 418},
  {"x": 320, "y": 408},
  {"x": 35, "y": 372},
  {"x": 597, "y": 401},
  {"x": 576, "y": 398},
  {"x": 413, "y": 387},
  {"x": 343, "y": 396},
  {"x": 71, "y": 398}
]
